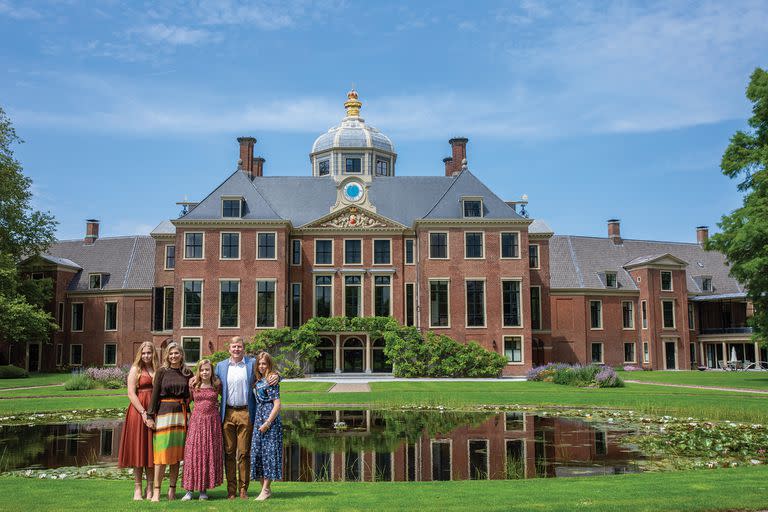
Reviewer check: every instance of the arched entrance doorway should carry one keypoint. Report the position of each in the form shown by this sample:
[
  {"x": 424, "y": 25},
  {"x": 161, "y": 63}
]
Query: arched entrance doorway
[{"x": 353, "y": 355}]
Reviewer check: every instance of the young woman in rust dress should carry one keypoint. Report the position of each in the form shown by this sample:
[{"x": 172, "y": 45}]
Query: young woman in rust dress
[{"x": 136, "y": 439}]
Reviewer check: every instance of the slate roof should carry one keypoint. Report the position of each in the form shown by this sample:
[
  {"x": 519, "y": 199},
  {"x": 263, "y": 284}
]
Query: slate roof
[
  {"x": 166, "y": 227},
  {"x": 301, "y": 200},
  {"x": 129, "y": 261},
  {"x": 580, "y": 262}
]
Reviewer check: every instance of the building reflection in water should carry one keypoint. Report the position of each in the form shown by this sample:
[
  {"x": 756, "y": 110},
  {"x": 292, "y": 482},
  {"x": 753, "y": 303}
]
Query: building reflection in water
[{"x": 362, "y": 445}]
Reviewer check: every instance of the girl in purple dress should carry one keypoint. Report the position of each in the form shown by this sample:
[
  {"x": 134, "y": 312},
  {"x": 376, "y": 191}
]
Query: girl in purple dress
[{"x": 203, "y": 467}]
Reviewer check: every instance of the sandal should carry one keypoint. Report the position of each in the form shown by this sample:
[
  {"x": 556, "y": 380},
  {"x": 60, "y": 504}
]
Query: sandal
[{"x": 156, "y": 494}]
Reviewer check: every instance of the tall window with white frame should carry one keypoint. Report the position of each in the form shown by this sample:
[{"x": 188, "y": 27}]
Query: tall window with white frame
[
  {"x": 533, "y": 255},
  {"x": 629, "y": 352},
  {"x": 60, "y": 317},
  {"x": 193, "y": 246},
  {"x": 265, "y": 303},
  {"x": 191, "y": 347},
  {"x": 666, "y": 281},
  {"x": 668, "y": 313},
  {"x": 76, "y": 354},
  {"x": 691, "y": 316},
  {"x": 323, "y": 296},
  {"x": 513, "y": 349},
  {"x": 535, "y": 308},
  {"x": 611, "y": 280},
  {"x": 229, "y": 303},
  {"x": 296, "y": 319},
  {"x": 110, "y": 354},
  {"x": 644, "y": 314},
  {"x": 597, "y": 352},
  {"x": 382, "y": 295},
  {"x": 170, "y": 257},
  {"x": 510, "y": 245},
  {"x": 353, "y": 286},
  {"x": 230, "y": 246},
  {"x": 382, "y": 252},
  {"x": 510, "y": 298},
  {"x": 438, "y": 246},
  {"x": 410, "y": 258},
  {"x": 438, "y": 303},
  {"x": 296, "y": 252},
  {"x": 323, "y": 252},
  {"x": 410, "y": 304},
  {"x": 628, "y": 314},
  {"x": 475, "y": 303},
  {"x": 110, "y": 316},
  {"x": 168, "y": 308},
  {"x": 595, "y": 314},
  {"x": 266, "y": 246},
  {"x": 77, "y": 317},
  {"x": 473, "y": 245},
  {"x": 353, "y": 252},
  {"x": 193, "y": 302}
]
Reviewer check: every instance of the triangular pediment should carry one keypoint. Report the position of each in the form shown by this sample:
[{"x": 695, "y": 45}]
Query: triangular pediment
[
  {"x": 353, "y": 218},
  {"x": 657, "y": 260}
]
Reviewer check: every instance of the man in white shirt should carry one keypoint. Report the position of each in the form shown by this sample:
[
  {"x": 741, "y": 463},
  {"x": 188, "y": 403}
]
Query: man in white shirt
[{"x": 238, "y": 410}]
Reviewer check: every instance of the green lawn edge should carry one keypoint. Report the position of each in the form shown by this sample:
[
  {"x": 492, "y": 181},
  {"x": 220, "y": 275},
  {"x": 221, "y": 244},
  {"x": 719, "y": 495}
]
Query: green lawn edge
[{"x": 743, "y": 488}]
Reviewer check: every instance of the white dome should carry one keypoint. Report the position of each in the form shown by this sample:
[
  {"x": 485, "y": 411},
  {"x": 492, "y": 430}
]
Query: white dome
[{"x": 353, "y": 133}]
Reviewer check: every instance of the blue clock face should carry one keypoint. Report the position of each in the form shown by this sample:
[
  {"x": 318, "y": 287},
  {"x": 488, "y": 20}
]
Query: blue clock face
[{"x": 353, "y": 191}]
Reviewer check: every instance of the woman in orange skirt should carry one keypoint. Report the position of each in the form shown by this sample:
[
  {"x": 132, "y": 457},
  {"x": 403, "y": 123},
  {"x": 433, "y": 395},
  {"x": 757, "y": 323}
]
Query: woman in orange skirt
[
  {"x": 168, "y": 408},
  {"x": 136, "y": 439}
]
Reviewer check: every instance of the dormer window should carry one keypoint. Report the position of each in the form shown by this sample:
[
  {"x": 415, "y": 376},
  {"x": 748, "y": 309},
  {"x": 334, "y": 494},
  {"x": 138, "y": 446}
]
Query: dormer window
[
  {"x": 232, "y": 208},
  {"x": 354, "y": 165},
  {"x": 610, "y": 280},
  {"x": 94, "y": 281},
  {"x": 473, "y": 207},
  {"x": 706, "y": 284},
  {"x": 323, "y": 168},
  {"x": 382, "y": 167}
]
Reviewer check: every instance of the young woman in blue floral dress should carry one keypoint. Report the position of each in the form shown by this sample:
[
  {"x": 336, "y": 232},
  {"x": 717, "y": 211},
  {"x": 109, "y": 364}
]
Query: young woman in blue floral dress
[{"x": 267, "y": 440}]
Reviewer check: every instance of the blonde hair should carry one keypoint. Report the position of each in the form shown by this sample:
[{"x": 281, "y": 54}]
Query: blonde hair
[
  {"x": 215, "y": 381},
  {"x": 167, "y": 363},
  {"x": 270, "y": 365},
  {"x": 139, "y": 364}
]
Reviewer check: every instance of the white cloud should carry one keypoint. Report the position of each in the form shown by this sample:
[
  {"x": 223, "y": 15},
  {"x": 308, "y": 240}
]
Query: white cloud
[
  {"x": 18, "y": 13},
  {"x": 170, "y": 34}
]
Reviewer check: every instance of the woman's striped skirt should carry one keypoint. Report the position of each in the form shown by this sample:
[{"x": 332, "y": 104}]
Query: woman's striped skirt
[{"x": 170, "y": 431}]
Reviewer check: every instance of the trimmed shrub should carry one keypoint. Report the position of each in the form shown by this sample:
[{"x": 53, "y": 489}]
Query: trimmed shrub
[
  {"x": 79, "y": 382},
  {"x": 12, "y": 372}
]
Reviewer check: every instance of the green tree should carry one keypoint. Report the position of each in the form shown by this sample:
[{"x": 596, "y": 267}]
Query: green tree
[
  {"x": 24, "y": 232},
  {"x": 744, "y": 232}
]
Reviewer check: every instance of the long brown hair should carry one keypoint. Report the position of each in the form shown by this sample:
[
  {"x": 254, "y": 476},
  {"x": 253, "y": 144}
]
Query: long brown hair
[
  {"x": 139, "y": 364},
  {"x": 270, "y": 366},
  {"x": 215, "y": 381}
]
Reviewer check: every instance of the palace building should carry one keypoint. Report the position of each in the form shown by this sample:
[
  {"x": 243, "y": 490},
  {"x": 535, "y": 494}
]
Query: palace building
[{"x": 443, "y": 253}]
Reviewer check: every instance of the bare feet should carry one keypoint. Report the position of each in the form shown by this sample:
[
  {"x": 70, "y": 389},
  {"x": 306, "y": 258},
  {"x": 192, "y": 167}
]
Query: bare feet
[
  {"x": 149, "y": 491},
  {"x": 156, "y": 495},
  {"x": 264, "y": 495},
  {"x": 171, "y": 492},
  {"x": 137, "y": 493},
  {"x": 243, "y": 494}
]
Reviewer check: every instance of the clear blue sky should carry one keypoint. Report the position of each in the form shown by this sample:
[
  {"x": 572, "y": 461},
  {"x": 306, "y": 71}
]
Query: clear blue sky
[{"x": 594, "y": 109}]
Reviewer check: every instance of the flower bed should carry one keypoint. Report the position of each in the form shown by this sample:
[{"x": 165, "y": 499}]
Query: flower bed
[{"x": 576, "y": 375}]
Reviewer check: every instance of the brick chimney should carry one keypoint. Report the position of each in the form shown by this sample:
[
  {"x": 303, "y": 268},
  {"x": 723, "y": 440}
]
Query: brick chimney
[
  {"x": 258, "y": 167},
  {"x": 458, "y": 154},
  {"x": 245, "y": 163},
  {"x": 91, "y": 231},
  {"x": 702, "y": 234},
  {"x": 448, "y": 161},
  {"x": 614, "y": 231}
]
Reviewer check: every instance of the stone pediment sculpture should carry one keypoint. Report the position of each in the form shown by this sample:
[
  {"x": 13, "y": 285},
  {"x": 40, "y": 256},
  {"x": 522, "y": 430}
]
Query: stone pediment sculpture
[{"x": 354, "y": 217}]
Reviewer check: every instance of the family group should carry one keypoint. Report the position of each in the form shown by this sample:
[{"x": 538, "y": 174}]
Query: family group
[{"x": 245, "y": 425}]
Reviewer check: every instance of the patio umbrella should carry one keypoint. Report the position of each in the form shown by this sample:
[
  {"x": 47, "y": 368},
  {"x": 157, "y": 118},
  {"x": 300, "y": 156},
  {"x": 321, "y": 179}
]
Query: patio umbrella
[{"x": 733, "y": 354}]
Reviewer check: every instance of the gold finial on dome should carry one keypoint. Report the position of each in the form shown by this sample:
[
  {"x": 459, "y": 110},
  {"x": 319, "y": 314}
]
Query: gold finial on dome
[{"x": 352, "y": 104}]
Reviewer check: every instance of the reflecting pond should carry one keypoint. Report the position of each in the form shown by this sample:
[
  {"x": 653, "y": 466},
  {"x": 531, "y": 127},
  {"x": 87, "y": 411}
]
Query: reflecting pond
[{"x": 364, "y": 445}]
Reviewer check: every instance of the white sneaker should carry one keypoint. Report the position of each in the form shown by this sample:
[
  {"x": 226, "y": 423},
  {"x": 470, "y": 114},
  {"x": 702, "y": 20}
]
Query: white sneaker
[
  {"x": 187, "y": 496},
  {"x": 203, "y": 496}
]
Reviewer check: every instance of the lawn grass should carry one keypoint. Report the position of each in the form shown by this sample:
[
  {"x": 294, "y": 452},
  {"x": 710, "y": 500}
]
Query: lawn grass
[
  {"x": 721, "y": 379},
  {"x": 723, "y": 489},
  {"x": 650, "y": 399},
  {"x": 37, "y": 379}
]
